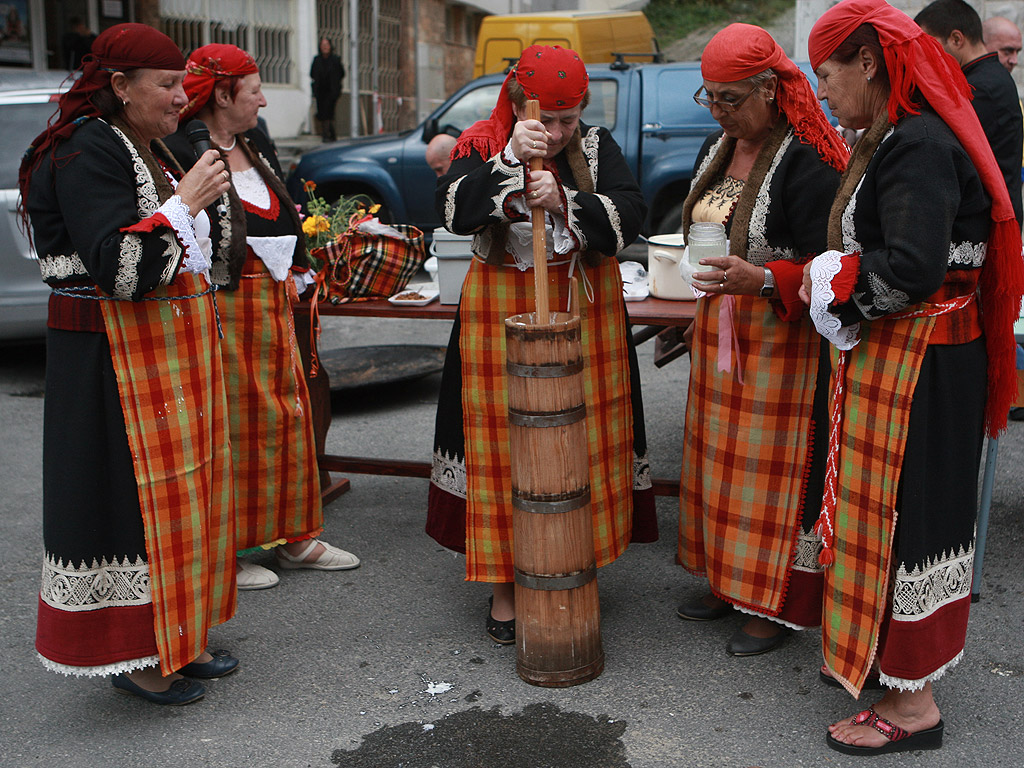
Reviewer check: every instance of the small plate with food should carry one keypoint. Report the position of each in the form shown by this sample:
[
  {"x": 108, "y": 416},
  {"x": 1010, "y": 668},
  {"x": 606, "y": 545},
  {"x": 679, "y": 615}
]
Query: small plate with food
[{"x": 415, "y": 295}]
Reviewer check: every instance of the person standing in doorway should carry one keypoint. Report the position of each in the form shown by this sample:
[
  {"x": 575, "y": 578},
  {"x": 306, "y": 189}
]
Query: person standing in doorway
[
  {"x": 327, "y": 74},
  {"x": 76, "y": 42}
]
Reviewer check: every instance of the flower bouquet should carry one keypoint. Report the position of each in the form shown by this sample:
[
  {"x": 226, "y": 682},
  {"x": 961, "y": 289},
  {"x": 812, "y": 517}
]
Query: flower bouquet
[
  {"x": 327, "y": 222},
  {"x": 357, "y": 256}
]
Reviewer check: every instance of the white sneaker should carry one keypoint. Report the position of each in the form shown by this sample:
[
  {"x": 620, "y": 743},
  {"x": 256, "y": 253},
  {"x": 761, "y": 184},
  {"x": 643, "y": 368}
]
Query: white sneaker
[
  {"x": 252, "y": 576},
  {"x": 331, "y": 559}
]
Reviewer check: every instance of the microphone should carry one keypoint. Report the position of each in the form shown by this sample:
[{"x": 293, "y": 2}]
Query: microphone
[{"x": 198, "y": 136}]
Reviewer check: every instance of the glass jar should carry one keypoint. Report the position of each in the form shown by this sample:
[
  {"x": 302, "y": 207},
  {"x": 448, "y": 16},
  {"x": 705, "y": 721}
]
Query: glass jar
[{"x": 706, "y": 238}]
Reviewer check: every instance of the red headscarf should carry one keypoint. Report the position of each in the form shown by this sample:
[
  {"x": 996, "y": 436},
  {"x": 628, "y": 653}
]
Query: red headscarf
[
  {"x": 554, "y": 76},
  {"x": 209, "y": 64},
  {"x": 117, "y": 49},
  {"x": 742, "y": 50},
  {"x": 915, "y": 61}
]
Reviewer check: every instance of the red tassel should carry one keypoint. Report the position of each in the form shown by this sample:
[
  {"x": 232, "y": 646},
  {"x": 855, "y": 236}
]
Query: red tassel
[
  {"x": 827, "y": 557},
  {"x": 1002, "y": 282}
]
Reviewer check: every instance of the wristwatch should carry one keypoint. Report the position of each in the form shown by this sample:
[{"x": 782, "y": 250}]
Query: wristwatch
[{"x": 769, "y": 284}]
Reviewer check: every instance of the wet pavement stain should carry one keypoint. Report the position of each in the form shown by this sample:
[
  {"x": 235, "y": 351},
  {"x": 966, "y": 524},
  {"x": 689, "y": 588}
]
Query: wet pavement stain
[{"x": 540, "y": 736}]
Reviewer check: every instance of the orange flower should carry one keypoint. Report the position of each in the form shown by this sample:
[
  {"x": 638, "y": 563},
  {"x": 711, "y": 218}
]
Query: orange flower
[{"x": 309, "y": 186}]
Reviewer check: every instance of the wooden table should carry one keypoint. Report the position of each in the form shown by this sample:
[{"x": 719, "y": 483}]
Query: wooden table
[{"x": 649, "y": 312}]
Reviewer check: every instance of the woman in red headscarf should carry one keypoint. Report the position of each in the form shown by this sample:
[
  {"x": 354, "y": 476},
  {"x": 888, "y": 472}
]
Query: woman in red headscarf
[
  {"x": 753, "y": 458},
  {"x": 593, "y": 209},
  {"x": 137, "y": 509},
  {"x": 259, "y": 262},
  {"x": 922, "y": 237}
]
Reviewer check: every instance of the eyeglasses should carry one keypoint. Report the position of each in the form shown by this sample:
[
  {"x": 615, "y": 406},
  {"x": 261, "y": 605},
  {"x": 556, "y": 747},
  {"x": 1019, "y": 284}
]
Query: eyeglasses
[{"x": 724, "y": 105}]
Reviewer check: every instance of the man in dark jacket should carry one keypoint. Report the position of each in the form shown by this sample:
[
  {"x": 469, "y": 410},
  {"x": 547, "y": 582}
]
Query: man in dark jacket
[{"x": 957, "y": 26}]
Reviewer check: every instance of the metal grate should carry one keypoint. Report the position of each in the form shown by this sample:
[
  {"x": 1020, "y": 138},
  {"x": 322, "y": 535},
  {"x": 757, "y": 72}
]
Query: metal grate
[{"x": 265, "y": 28}]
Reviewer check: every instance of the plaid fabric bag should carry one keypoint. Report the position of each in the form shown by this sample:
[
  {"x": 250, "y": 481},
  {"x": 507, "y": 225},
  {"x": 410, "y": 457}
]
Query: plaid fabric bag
[{"x": 363, "y": 266}]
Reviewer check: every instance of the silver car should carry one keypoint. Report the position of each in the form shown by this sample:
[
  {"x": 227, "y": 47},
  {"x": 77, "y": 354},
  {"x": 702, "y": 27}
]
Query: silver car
[{"x": 27, "y": 100}]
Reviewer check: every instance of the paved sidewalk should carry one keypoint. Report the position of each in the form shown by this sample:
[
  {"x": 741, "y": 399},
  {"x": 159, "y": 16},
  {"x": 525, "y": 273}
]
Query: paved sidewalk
[{"x": 388, "y": 665}]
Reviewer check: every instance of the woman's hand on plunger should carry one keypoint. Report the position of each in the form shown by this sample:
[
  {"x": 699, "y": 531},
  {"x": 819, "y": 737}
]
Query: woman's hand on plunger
[
  {"x": 729, "y": 274},
  {"x": 205, "y": 182},
  {"x": 529, "y": 141}
]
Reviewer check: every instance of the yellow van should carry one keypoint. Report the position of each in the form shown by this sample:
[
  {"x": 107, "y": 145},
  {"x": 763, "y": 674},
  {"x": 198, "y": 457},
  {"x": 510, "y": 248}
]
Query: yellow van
[{"x": 594, "y": 35}]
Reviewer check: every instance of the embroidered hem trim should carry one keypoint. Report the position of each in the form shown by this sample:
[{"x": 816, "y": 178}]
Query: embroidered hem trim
[
  {"x": 103, "y": 670},
  {"x": 776, "y": 619},
  {"x": 916, "y": 685}
]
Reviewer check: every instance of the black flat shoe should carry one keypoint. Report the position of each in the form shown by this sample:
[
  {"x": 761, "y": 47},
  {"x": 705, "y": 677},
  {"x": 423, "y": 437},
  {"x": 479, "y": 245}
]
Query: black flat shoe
[
  {"x": 697, "y": 610},
  {"x": 222, "y": 663},
  {"x": 742, "y": 644},
  {"x": 183, "y": 691},
  {"x": 501, "y": 632},
  {"x": 872, "y": 683}
]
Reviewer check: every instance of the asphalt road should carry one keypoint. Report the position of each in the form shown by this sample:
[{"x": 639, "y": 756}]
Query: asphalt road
[{"x": 388, "y": 665}]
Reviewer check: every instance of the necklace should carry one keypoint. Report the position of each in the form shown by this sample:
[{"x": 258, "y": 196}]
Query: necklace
[{"x": 234, "y": 141}]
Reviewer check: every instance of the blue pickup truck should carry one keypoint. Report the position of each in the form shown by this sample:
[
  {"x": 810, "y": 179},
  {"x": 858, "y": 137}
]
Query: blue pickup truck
[{"x": 647, "y": 107}]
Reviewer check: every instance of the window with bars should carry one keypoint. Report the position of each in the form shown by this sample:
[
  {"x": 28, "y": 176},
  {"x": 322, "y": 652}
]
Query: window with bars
[{"x": 264, "y": 28}]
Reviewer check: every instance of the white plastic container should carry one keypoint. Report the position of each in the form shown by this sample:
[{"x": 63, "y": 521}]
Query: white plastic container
[{"x": 453, "y": 254}]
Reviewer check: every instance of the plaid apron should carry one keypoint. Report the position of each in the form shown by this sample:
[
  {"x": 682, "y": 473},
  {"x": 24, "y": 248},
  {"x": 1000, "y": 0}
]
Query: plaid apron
[
  {"x": 489, "y": 295},
  {"x": 879, "y": 376},
  {"x": 746, "y": 453},
  {"x": 277, "y": 489},
  {"x": 168, "y": 366}
]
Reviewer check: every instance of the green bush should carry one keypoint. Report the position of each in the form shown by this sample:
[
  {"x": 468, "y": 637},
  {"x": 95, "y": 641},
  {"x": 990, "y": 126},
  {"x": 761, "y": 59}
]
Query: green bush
[{"x": 675, "y": 19}]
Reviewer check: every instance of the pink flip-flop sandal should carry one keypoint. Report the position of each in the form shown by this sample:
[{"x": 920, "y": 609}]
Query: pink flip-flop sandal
[{"x": 900, "y": 739}]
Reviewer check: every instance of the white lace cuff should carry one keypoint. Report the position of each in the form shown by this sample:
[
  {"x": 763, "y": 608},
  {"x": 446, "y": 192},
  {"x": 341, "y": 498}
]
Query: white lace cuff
[
  {"x": 509, "y": 156},
  {"x": 824, "y": 268},
  {"x": 184, "y": 226},
  {"x": 303, "y": 280}
]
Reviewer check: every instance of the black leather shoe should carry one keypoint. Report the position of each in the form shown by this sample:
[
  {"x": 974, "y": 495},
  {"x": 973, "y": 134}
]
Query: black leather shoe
[
  {"x": 742, "y": 644},
  {"x": 501, "y": 632},
  {"x": 183, "y": 691},
  {"x": 222, "y": 663},
  {"x": 872, "y": 683},
  {"x": 697, "y": 610}
]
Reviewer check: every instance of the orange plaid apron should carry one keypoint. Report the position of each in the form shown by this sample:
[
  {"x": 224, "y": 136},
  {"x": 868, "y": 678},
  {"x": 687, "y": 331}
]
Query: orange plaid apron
[
  {"x": 746, "y": 452},
  {"x": 489, "y": 295},
  {"x": 277, "y": 488},
  {"x": 167, "y": 360},
  {"x": 872, "y": 390}
]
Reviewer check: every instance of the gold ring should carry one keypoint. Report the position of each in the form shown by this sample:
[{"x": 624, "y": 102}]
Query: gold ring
[
  {"x": 721, "y": 284},
  {"x": 725, "y": 276}
]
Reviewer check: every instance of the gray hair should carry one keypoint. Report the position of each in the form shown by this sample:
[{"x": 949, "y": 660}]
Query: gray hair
[{"x": 761, "y": 78}]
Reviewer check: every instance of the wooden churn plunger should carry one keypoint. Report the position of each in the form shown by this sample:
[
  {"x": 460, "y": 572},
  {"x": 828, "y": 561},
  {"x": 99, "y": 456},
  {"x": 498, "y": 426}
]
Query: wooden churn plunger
[{"x": 558, "y": 633}]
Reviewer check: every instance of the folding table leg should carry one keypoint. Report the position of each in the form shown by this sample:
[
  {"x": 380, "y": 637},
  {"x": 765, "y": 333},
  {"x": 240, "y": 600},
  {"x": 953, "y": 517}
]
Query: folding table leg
[{"x": 991, "y": 453}]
